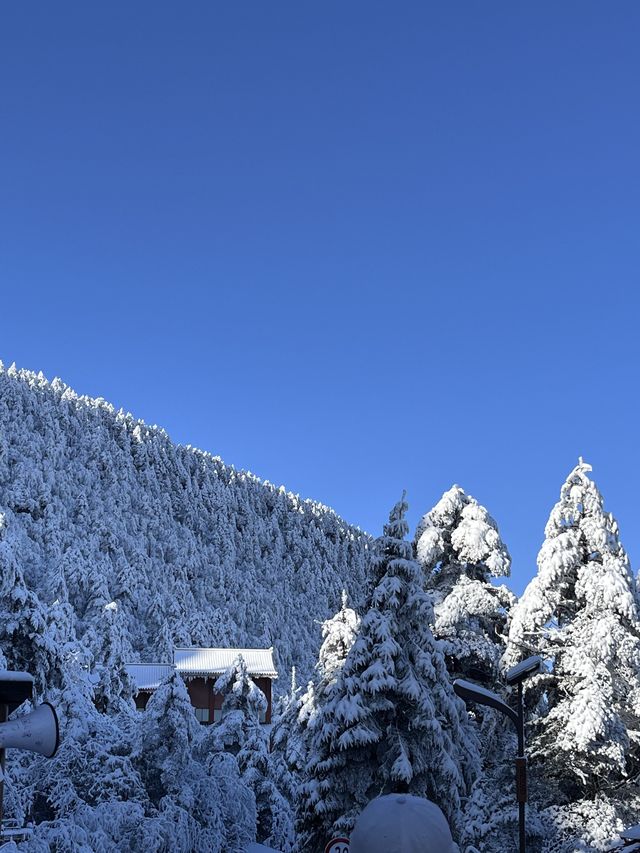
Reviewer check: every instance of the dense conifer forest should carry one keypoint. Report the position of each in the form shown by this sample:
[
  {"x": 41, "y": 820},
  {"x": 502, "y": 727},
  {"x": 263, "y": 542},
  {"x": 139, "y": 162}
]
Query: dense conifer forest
[{"x": 116, "y": 545}]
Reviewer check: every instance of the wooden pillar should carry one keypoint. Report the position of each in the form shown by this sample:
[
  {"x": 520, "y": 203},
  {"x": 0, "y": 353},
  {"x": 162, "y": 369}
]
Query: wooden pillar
[{"x": 268, "y": 695}]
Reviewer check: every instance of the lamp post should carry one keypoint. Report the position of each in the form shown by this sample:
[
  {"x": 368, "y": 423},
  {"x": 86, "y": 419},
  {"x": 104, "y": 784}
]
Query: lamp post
[{"x": 481, "y": 696}]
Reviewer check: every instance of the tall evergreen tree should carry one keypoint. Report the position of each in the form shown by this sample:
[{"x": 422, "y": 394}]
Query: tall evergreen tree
[
  {"x": 241, "y": 734},
  {"x": 287, "y": 749},
  {"x": 191, "y": 799},
  {"x": 581, "y": 613},
  {"x": 338, "y": 636},
  {"x": 391, "y": 721},
  {"x": 35, "y": 637},
  {"x": 109, "y": 643},
  {"x": 460, "y": 549},
  {"x": 293, "y": 726}
]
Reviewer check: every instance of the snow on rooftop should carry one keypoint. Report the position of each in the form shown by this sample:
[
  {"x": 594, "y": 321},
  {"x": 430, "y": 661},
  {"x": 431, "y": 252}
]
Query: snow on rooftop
[
  {"x": 147, "y": 676},
  {"x": 194, "y": 661},
  {"x": 10, "y": 675}
]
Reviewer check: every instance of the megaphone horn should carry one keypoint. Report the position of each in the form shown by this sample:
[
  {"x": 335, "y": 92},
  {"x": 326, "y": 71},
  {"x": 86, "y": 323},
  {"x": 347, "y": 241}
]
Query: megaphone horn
[{"x": 37, "y": 731}]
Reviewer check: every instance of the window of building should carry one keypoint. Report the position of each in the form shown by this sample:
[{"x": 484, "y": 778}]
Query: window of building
[
  {"x": 217, "y": 715},
  {"x": 202, "y": 715}
]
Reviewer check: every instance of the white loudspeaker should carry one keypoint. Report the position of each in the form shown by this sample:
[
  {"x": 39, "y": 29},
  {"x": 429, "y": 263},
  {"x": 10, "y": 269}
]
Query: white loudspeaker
[{"x": 37, "y": 731}]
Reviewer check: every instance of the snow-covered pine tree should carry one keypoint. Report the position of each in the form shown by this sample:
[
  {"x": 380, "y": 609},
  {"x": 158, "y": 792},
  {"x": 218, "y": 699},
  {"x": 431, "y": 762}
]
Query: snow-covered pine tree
[
  {"x": 165, "y": 642},
  {"x": 242, "y": 704},
  {"x": 581, "y": 613},
  {"x": 168, "y": 733},
  {"x": 338, "y": 635},
  {"x": 241, "y": 734},
  {"x": 287, "y": 755},
  {"x": 199, "y": 630},
  {"x": 293, "y": 724},
  {"x": 199, "y": 810},
  {"x": 275, "y": 822},
  {"x": 391, "y": 721},
  {"x": 460, "y": 549},
  {"x": 33, "y": 636},
  {"x": 109, "y": 643}
]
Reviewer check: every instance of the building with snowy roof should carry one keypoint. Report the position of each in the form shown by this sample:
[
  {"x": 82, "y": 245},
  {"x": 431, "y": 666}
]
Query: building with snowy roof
[{"x": 200, "y": 669}]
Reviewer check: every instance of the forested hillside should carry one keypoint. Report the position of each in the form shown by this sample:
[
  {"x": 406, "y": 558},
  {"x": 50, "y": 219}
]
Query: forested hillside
[
  {"x": 100, "y": 508},
  {"x": 116, "y": 544}
]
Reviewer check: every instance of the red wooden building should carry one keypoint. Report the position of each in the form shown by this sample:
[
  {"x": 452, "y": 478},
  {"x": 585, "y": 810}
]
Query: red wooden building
[{"x": 200, "y": 669}]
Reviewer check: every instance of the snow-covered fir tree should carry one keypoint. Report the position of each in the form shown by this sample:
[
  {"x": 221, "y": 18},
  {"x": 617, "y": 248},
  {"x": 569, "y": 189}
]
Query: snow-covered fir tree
[
  {"x": 288, "y": 753},
  {"x": 109, "y": 643},
  {"x": 338, "y": 635},
  {"x": 243, "y": 704},
  {"x": 241, "y": 734},
  {"x": 581, "y": 613},
  {"x": 294, "y": 722},
  {"x": 391, "y": 721},
  {"x": 185, "y": 794},
  {"x": 289, "y": 738},
  {"x": 459, "y": 546}
]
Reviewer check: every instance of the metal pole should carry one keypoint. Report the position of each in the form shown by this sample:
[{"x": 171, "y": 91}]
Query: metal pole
[
  {"x": 473, "y": 693},
  {"x": 521, "y": 773},
  {"x": 4, "y": 714}
]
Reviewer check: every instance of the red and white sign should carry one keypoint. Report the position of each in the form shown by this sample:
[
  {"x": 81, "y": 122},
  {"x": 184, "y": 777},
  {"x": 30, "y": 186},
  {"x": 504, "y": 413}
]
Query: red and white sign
[{"x": 337, "y": 845}]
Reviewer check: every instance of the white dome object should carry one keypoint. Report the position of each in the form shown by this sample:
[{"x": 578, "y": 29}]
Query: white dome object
[{"x": 402, "y": 823}]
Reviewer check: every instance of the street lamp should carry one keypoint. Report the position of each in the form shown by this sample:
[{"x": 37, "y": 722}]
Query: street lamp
[{"x": 480, "y": 695}]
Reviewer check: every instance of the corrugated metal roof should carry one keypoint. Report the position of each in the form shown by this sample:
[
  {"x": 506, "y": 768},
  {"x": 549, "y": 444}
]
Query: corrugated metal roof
[
  {"x": 147, "y": 676},
  {"x": 196, "y": 661}
]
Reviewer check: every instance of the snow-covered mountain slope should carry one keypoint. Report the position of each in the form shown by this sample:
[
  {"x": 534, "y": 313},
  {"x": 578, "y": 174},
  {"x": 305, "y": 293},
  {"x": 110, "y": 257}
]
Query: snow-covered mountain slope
[{"x": 102, "y": 508}]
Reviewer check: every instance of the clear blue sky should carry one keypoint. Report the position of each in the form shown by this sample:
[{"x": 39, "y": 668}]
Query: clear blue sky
[{"x": 352, "y": 247}]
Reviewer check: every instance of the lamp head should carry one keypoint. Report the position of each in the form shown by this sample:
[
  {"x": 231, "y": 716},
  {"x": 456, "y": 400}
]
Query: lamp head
[
  {"x": 470, "y": 692},
  {"x": 523, "y": 670}
]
